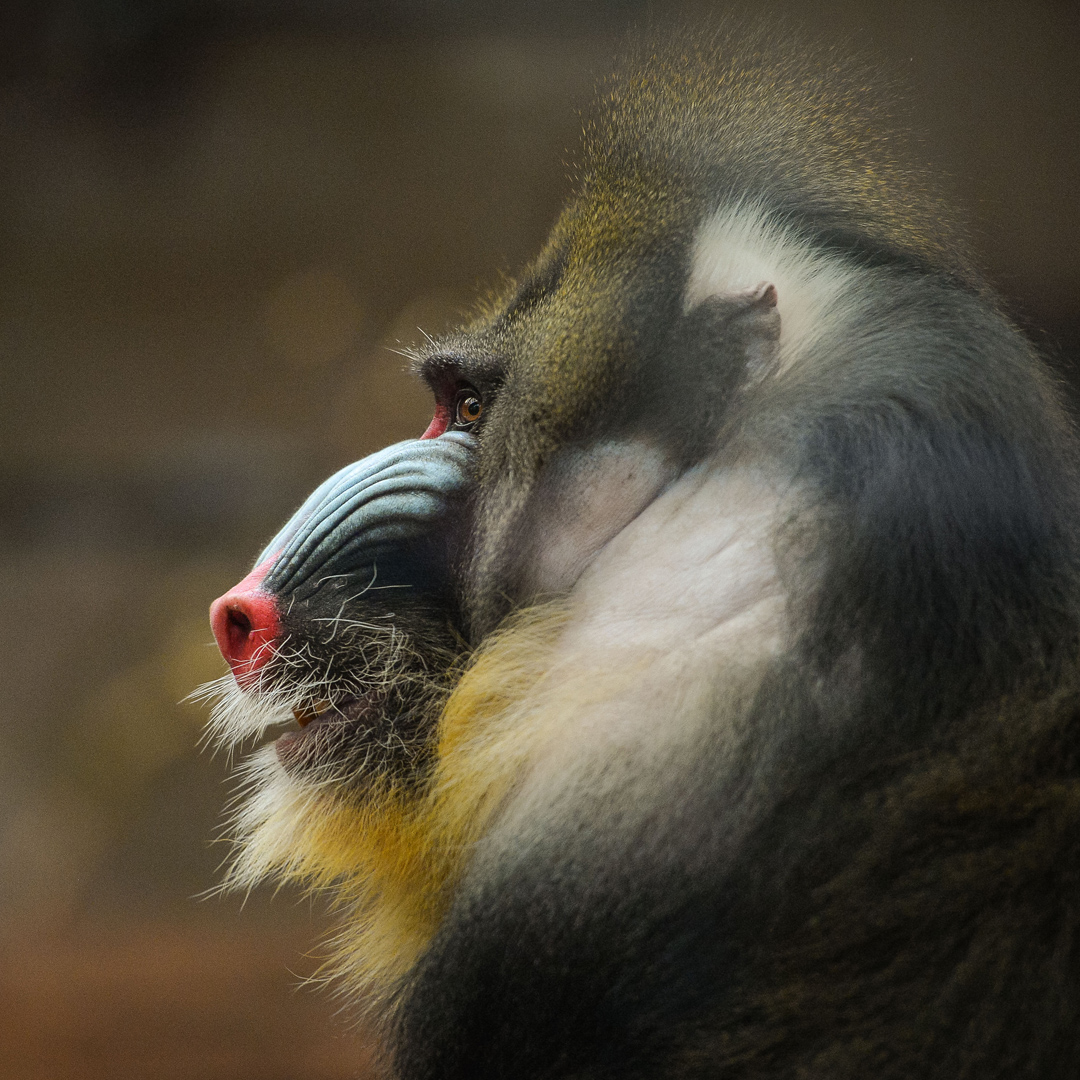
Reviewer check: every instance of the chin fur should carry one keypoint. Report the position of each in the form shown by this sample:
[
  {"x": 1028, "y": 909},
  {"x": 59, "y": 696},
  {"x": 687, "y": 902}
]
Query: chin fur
[{"x": 393, "y": 854}]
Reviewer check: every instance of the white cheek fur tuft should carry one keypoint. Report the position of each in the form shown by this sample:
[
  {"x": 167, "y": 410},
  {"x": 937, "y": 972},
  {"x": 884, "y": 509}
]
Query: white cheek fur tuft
[{"x": 739, "y": 247}]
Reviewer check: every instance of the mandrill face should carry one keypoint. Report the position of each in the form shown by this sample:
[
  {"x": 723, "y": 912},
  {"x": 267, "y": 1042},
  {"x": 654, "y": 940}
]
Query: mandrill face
[{"x": 357, "y": 616}]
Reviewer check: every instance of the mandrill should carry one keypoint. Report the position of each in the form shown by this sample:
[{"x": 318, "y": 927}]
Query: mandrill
[{"x": 698, "y": 696}]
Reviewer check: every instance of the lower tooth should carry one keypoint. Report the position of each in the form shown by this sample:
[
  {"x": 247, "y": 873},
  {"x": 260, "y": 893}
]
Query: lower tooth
[{"x": 305, "y": 715}]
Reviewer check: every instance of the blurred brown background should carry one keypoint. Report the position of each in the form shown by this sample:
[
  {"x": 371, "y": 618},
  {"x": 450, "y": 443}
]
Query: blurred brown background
[{"x": 216, "y": 220}]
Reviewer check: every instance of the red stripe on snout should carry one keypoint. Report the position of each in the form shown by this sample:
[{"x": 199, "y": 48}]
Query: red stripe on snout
[
  {"x": 246, "y": 623},
  {"x": 439, "y": 422}
]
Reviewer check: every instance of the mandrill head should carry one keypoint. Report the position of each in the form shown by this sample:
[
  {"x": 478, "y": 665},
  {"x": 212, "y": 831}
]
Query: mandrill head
[{"x": 403, "y": 616}]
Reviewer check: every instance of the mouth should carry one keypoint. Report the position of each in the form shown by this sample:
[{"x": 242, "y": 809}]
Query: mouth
[
  {"x": 326, "y": 719},
  {"x": 306, "y": 714},
  {"x": 353, "y": 737}
]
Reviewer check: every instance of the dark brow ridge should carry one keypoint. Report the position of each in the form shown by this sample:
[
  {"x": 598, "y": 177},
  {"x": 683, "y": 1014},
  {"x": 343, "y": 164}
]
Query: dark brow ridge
[{"x": 535, "y": 286}]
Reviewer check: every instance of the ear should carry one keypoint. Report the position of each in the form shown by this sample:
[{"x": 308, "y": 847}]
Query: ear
[
  {"x": 727, "y": 341},
  {"x": 752, "y": 319},
  {"x": 762, "y": 295},
  {"x": 763, "y": 342}
]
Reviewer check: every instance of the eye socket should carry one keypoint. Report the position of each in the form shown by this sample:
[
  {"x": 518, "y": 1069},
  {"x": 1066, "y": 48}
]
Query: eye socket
[{"x": 469, "y": 408}]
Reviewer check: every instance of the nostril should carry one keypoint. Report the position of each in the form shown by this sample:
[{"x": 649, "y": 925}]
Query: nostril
[
  {"x": 239, "y": 622},
  {"x": 246, "y": 624},
  {"x": 238, "y": 628}
]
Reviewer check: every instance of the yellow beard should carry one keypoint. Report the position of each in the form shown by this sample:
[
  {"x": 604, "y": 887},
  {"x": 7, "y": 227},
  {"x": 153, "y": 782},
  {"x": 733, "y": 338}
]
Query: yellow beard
[{"x": 394, "y": 858}]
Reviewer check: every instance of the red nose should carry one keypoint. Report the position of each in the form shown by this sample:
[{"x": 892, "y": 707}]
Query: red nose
[{"x": 246, "y": 624}]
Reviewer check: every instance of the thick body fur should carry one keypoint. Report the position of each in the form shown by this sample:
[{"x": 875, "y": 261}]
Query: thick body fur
[{"x": 759, "y": 753}]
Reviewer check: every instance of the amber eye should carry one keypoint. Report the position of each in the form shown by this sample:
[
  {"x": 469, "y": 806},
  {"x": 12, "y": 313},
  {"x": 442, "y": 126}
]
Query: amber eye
[{"x": 469, "y": 408}]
